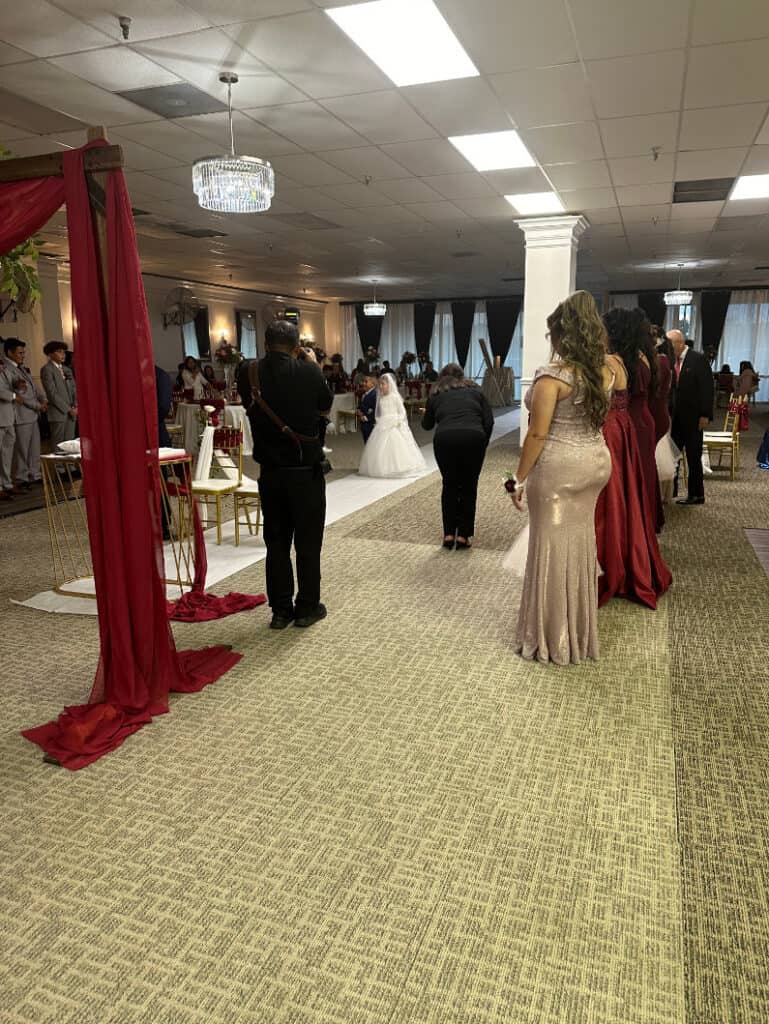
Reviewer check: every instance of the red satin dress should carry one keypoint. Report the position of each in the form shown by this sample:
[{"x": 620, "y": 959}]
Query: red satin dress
[
  {"x": 627, "y": 545},
  {"x": 643, "y": 421}
]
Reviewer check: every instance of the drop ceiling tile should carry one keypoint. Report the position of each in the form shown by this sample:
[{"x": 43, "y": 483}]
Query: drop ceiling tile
[
  {"x": 695, "y": 165},
  {"x": 382, "y": 216},
  {"x": 604, "y": 215},
  {"x": 646, "y": 214},
  {"x": 757, "y": 161},
  {"x": 433, "y": 156},
  {"x": 544, "y": 96},
  {"x": 146, "y": 184},
  {"x": 226, "y": 12},
  {"x": 307, "y": 169},
  {"x": 721, "y": 127},
  {"x": 150, "y": 18},
  {"x": 461, "y": 186},
  {"x": 41, "y": 82},
  {"x": 606, "y": 28},
  {"x": 357, "y": 195},
  {"x": 635, "y": 136},
  {"x": 591, "y": 174},
  {"x": 9, "y": 132},
  {"x": 381, "y": 117},
  {"x": 746, "y": 208},
  {"x": 695, "y": 211},
  {"x": 763, "y": 136},
  {"x": 517, "y": 181},
  {"x": 490, "y": 208},
  {"x": 35, "y": 145},
  {"x": 643, "y": 84},
  {"x": 644, "y": 195},
  {"x": 465, "y": 106},
  {"x": 12, "y": 55},
  {"x": 589, "y": 199},
  {"x": 311, "y": 200},
  {"x": 729, "y": 73},
  {"x": 116, "y": 69},
  {"x": 176, "y": 175},
  {"x": 43, "y": 29},
  {"x": 438, "y": 213},
  {"x": 716, "y": 22},
  {"x": 199, "y": 57},
  {"x": 312, "y": 53},
  {"x": 137, "y": 157},
  {"x": 641, "y": 170},
  {"x": 501, "y": 36},
  {"x": 309, "y": 125},
  {"x": 170, "y": 138},
  {"x": 560, "y": 144},
  {"x": 251, "y": 139},
  {"x": 366, "y": 162},
  {"x": 408, "y": 190},
  {"x": 695, "y": 226}
]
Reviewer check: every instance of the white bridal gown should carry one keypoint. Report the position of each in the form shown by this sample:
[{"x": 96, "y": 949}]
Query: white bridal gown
[{"x": 391, "y": 450}]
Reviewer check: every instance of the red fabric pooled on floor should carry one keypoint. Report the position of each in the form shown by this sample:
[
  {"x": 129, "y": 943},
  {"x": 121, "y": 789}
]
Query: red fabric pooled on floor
[{"x": 197, "y": 606}]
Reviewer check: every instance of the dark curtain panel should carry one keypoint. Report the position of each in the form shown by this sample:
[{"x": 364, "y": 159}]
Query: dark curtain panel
[
  {"x": 239, "y": 330},
  {"x": 462, "y": 314},
  {"x": 424, "y": 320},
  {"x": 501, "y": 318},
  {"x": 369, "y": 328},
  {"x": 713, "y": 308},
  {"x": 653, "y": 304},
  {"x": 203, "y": 334}
]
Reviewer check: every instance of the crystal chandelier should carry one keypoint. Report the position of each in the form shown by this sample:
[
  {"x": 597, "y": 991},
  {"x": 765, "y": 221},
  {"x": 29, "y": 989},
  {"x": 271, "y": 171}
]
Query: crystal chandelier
[
  {"x": 231, "y": 183},
  {"x": 678, "y": 296},
  {"x": 374, "y": 308}
]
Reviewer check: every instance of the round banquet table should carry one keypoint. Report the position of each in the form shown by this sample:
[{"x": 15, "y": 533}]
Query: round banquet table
[{"x": 188, "y": 417}]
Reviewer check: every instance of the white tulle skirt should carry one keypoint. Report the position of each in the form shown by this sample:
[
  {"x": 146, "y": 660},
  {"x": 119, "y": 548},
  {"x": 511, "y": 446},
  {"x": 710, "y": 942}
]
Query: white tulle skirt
[
  {"x": 667, "y": 457},
  {"x": 391, "y": 451}
]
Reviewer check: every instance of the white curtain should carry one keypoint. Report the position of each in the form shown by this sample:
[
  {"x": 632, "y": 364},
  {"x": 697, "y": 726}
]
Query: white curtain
[
  {"x": 746, "y": 335},
  {"x": 248, "y": 338},
  {"x": 190, "y": 340},
  {"x": 686, "y": 319},
  {"x": 398, "y": 337}
]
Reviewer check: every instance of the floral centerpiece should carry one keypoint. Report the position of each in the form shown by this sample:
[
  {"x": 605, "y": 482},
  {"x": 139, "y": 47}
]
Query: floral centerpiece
[{"x": 228, "y": 357}]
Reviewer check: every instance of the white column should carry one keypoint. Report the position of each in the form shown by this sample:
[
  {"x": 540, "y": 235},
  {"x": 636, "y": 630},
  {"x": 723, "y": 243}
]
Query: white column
[{"x": 551, "y": 273}]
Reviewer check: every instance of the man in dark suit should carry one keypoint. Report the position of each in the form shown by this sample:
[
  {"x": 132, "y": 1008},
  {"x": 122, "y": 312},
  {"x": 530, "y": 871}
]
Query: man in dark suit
[
  {"x": 367, "y": 409},
  {"x": 692, "y": 410}
]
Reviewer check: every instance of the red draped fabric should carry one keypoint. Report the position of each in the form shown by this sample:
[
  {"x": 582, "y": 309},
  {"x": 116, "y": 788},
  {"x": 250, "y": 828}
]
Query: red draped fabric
[{"x": 138, "y": 662}]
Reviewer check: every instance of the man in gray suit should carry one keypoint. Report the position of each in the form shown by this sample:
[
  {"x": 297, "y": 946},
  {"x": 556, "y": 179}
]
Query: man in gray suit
[
  {"x": 8, "y": 402},
  {"x": 59, "y": 384},
  {"x": 27, "y": 414}
]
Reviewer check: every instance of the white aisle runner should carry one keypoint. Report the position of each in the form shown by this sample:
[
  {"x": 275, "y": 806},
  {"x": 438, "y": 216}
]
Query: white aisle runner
[{"x": 343, "y": 497}]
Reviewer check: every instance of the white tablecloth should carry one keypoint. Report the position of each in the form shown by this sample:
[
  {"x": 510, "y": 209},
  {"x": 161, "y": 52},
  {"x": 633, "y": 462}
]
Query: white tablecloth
[
  {"x": 188, "y": 417},
  {"x": 341, "y": 402}
]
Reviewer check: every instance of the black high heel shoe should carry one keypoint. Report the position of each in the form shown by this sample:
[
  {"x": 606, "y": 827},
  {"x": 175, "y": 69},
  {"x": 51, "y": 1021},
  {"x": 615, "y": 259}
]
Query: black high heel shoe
[
  {"x": 448, "y": 543},
  {"x": 464, "y": 545}
]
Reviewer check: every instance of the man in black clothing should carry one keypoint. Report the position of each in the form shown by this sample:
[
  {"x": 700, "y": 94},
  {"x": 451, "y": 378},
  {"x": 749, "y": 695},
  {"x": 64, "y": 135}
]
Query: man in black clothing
[
  {"x": 692, "y": 410},
  {"x": 291, "y": 484}
]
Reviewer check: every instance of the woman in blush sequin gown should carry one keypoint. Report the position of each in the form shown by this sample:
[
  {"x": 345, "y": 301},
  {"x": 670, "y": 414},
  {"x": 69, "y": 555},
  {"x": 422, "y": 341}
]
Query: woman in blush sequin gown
[
  {"x": 564, "y": 466},
  {"x": 627, "y": 544}
]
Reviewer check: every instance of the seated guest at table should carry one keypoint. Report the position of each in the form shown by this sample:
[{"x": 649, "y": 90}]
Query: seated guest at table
[
  {"x": 338, "y": 378},
  {"x": 208, "y": 373},
  {"x": 59, "y": 385},
  {"x": 726, "y": 368},
  {"x": 386, "y": 368},
  {"x": 179, "y": 380},
  {"x": 193, "y": 379},
  {"x": 748, "y": 381},
  {"x": 464, "y": 424},
  {"x": 430, "y": 373},
  {"x": 359, "y": 372},
  {"x": 367, "y": 408}
]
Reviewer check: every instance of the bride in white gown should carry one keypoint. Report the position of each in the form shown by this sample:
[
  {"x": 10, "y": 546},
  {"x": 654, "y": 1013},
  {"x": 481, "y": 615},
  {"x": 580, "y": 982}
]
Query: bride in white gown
[{"x": 391, "y": 450}]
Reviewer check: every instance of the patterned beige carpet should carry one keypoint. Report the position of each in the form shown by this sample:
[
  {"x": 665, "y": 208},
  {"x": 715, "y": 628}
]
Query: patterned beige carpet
[{"x": 391, "y": 819}]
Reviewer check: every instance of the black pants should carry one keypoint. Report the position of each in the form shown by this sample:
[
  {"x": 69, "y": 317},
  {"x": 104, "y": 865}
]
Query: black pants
[
  {"x": 688, "y": 437},
  {"x": 460, "y": 455},
  {"x": 294, "y": 509}
]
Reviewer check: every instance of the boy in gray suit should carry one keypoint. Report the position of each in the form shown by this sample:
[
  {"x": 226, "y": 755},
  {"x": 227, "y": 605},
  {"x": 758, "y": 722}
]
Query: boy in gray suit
[
  {"x": 8, "y": 401},
  {"x": 27, "y": 413},
  {"x": 59, "y": 384}
]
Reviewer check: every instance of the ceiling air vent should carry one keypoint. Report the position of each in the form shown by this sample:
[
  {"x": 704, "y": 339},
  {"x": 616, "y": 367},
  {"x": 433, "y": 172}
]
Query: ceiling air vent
[
  {"x": 179, "y": 100},
  {"x": 761, "y": 268},
  {"x": 463, "y": 255},
  {"x": 511, "y": 280},
  {"x": 707, "y": 190},
  {"x": 184, "y": 229}
]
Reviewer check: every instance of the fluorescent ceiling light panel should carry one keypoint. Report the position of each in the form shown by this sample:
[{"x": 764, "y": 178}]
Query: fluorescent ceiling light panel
[
  {"x": 494, "y": 151},
  {"x": 409, "y": 40},
  {"x": 532, "y": 203},
  {"x": 751, "y": 186}
]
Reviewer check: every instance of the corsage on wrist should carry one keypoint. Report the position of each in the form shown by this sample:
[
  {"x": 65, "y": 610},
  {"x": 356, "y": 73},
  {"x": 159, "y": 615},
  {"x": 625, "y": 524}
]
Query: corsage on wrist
[{"x": 512, "y": 485}]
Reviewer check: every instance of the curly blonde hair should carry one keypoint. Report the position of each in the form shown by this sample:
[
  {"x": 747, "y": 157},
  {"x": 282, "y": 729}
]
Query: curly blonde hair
[{"x": 579, "y": 338}]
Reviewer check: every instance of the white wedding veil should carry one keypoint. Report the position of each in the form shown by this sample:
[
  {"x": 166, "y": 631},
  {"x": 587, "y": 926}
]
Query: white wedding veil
[{"x": 390, "y": 404}]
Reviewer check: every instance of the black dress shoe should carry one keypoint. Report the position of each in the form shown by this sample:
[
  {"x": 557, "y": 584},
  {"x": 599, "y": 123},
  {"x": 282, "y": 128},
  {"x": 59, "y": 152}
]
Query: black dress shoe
[
  {"x": 690, "y": 501},
  {"x": 303, "y": 621},
  {"x": 281, "y": 620}
]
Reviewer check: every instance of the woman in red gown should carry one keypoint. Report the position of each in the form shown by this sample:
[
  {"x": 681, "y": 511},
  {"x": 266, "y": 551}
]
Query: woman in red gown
[
  {"x": 628, "y": 552},
  {"x": 659, "y": 404},
  {"x": 628, "y": 332}
]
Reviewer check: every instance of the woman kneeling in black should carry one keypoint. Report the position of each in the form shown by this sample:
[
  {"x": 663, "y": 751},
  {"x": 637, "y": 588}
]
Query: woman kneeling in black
[{"x": 464, "y": 424}]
